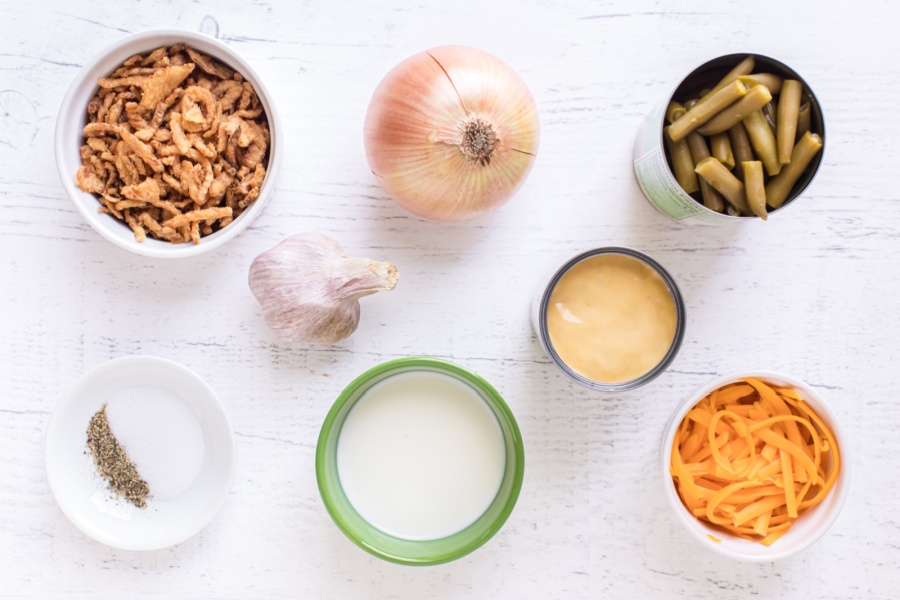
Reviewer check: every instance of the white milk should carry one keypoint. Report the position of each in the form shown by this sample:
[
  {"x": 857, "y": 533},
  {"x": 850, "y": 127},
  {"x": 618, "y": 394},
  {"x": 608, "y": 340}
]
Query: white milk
[{"x": 421, "y": 456}]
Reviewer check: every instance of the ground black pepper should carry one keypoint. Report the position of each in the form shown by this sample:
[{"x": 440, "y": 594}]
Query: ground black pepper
[{"x": 113, "y": 463}]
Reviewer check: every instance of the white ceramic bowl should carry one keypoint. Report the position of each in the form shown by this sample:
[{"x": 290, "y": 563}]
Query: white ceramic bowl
[
  {"x": 811, "y": 525},
  {"x": 78, "y": 489},
  {"x": 73, "y": 116}
]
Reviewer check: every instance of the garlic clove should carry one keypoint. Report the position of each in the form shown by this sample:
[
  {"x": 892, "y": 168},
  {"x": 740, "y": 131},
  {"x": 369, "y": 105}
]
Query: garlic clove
[{"x": 309, "y": 289}]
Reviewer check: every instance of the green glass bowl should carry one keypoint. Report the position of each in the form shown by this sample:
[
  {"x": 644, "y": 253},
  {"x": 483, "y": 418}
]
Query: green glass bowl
[{"x": 417, "y": 552}]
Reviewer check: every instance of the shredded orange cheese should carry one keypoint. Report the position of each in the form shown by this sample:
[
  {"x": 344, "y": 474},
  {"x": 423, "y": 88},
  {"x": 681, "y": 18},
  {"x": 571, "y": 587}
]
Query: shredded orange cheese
[{"x": 751, "y": 457}]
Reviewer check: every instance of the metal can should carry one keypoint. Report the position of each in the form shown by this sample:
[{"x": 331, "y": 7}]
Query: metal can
[
  {"x": 651, "y": 166},
  {"x": 541, "y": 303}
]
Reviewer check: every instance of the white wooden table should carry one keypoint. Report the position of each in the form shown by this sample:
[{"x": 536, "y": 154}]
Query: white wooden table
[{"x": 812, "y": 293}]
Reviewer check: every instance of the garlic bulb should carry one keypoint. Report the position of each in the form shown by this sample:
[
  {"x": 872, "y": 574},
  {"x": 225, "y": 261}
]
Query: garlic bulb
[
  {"x": 451, "y": 133},
  {"x": 309, "y": 289}
]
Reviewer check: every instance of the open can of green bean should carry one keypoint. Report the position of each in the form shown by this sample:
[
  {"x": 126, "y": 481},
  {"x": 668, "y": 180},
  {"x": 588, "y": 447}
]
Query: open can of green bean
[{"x": 754, "y": 124}]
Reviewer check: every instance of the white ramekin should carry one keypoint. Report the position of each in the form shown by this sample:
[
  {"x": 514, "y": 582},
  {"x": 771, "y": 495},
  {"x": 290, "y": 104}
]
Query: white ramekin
[
  {"x": 811, "y": 525},
  {"x": 73, "y": 116}
]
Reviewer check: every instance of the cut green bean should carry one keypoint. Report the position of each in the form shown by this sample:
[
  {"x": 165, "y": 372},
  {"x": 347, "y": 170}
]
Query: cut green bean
[
  {"x": 706, "y": 109},
  {"x": 804, "y": 120},
  {"x": 732, "y": 211},
  {"x": 770, "y": 80},
  {"x": 780, "y": 186},
  {"x": 699, "y": 149},
  {"x": 756, "y": 98},
  {"x": 691, "y": 103},
  {"x": 755, "y": 187},
  {"x": 741, "y": 148},
  {"x": 712, "y": 199},
  {"x": 745, "y": 67},
  {"x": 716, "y": 175},
  {"x": 673, "y": 111},
  {"x": 788, "y": 113},
  {"x": 721, "y": 148},
  {"x": 770, "y": 111},
  {"x": 763, "y": 141},
  {"x": 682, "y": 164}
]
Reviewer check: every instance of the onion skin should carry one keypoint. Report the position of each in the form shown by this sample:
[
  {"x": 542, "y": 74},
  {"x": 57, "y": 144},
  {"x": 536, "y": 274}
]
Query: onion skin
[{"x": 414, "y": 133}]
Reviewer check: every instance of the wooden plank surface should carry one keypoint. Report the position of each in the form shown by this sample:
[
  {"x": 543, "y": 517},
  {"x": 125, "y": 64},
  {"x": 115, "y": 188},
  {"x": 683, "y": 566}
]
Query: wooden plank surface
[{"x": 812, "y": 293}]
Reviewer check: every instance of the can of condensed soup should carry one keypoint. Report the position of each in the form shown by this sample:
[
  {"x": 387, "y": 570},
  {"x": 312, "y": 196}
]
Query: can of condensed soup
[
  {"x": 612, "y": 319},
  {"x": 652, "y": 163}
]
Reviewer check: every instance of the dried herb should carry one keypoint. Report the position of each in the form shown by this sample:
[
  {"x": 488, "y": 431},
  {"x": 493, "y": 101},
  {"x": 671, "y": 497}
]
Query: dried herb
[{"x": 113, "y": 463}]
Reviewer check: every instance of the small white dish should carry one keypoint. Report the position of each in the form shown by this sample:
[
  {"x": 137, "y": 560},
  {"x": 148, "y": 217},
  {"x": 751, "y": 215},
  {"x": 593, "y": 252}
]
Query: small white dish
[
  {"x": 73, "y": 115},
  {"x": 80, "y": 491},
  {"x": 812, "y": 523}
]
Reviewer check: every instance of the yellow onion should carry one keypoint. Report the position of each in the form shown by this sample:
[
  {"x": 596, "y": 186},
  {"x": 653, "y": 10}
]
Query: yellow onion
[{"x": 451, "y": 133}]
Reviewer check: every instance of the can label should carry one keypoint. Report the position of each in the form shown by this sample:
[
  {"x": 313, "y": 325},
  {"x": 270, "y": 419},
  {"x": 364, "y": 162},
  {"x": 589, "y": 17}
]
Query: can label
[
  {"x": 655, "y": 178},
  {"x": 661, "y": 189}
]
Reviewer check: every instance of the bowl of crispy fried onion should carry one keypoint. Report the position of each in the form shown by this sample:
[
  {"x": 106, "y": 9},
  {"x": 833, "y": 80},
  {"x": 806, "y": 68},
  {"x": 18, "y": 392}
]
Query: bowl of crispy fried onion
[{"x": 168, "y": 143}]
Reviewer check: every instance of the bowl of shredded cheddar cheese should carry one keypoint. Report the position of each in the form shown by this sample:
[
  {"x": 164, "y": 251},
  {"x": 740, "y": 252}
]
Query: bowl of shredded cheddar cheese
[{"x": 755, "y": 465}]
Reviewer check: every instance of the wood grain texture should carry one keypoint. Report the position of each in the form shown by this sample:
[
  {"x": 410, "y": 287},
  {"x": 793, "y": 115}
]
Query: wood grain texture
[{"x": 813, "y": 293}]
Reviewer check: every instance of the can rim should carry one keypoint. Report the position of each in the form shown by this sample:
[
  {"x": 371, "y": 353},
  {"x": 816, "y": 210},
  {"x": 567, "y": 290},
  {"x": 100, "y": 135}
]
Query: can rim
[{"x": 680, "y": 319}]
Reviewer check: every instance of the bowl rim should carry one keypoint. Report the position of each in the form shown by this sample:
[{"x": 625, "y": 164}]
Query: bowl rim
[
  {"x": 823, "y": 410},
  {"x": 157, "y": 248},
  {"x": 212, "y": 405},
  {"x": 449, "y": 368}
]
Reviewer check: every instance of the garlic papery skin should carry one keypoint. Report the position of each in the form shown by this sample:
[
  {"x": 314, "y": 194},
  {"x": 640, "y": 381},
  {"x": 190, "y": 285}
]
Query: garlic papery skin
[
  {"x": 451, "y": 133},
  {"x": 309, "y": 289}
]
